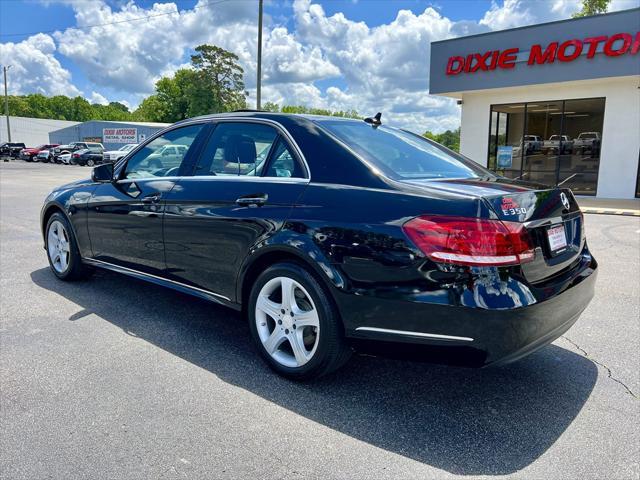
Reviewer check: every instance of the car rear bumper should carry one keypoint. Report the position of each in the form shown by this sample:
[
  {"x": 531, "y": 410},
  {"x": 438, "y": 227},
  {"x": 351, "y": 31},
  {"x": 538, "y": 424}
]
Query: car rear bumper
[{"x": 531, "y": 316}]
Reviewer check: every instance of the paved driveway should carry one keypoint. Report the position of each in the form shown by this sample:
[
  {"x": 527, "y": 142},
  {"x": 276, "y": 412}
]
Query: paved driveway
[{"x": 115, "y": 378}]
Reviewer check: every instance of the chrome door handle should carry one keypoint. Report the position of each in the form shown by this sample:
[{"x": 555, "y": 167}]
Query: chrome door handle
[
  {"x": 152, "y": 198},
  {"x": 257, "y": 200}
]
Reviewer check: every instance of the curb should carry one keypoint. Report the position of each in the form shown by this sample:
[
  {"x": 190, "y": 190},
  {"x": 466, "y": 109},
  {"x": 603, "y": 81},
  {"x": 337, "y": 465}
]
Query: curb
[{"x": 611, "y": 211}]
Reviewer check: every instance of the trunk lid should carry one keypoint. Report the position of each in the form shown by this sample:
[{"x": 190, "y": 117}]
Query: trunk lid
[{"x": 539, "y": 208}]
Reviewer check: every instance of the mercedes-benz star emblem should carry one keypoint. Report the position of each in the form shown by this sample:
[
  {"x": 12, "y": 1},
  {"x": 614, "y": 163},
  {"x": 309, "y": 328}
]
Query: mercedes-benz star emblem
[{"x": 564, "y": 200}]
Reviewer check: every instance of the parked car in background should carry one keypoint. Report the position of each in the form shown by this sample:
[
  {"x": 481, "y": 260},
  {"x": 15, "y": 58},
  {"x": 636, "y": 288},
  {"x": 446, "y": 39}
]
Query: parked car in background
[
  {"x": 87, "y": 156},
  {"x": 64, "y": 158},
  {"x": 533, "y": 143},
  {"x": 44, "y": 156},
  {"x": 168, "y": 156},
  {"x": 558, "y": 143},
  {"x": 112, "y": 156},
  {"x": 587, "y": 141},
  {"x": 345, "y": 229},
  {"x": 73, "y": 147},
  {"x": 29, "y": 154},
  {"x": 11, "y": 149}
]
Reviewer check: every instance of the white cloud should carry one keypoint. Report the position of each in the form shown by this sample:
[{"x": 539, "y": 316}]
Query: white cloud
[
  {"x": 35, "y": 69},
  {"x": 98, "y": 98}
]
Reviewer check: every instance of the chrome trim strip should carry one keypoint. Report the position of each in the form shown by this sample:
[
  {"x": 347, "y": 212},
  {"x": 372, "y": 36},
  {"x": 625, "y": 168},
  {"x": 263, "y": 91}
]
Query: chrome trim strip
[
  {"x": 126, "y": 270},
  {"x": 542, "y": 222},
  {"x": 414, "y": 334}
]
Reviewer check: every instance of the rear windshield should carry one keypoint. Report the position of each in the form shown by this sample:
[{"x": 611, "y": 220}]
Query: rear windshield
[{"x": 400, "y": 154}]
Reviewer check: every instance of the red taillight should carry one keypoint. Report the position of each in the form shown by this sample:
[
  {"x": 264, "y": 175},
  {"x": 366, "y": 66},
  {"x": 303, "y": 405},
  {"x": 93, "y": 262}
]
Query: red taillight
[
  {"x": 470, "y": 241},
  {"x": 75, "y": 155}
]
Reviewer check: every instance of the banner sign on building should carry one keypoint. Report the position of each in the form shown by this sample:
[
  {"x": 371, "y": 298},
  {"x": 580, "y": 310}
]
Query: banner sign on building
[
  {"x": 120, "y": 135},
  {"x": 505, "y": 156}
]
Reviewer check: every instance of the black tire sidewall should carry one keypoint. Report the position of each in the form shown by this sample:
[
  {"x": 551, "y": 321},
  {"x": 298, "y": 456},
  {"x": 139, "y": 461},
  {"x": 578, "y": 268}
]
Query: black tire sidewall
[{"x": 330, "y": 324}]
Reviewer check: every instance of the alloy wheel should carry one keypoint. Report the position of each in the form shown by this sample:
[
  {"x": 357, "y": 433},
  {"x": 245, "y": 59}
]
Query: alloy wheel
[
  {"x": 58, "y": 246},
  {"x": 287, "y": 322}
]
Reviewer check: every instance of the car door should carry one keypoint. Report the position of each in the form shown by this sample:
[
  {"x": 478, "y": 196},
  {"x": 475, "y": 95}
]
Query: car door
[
  {"x": 125, "y": 216},
  {"x": 244, "y": 184}
]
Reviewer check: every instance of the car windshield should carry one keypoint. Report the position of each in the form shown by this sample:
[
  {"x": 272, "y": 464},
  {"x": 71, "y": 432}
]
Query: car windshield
[
  {"x": 401, "y": 154},
  {"x": 126, "y": 148},
  {"x": 587, "y": 135}
]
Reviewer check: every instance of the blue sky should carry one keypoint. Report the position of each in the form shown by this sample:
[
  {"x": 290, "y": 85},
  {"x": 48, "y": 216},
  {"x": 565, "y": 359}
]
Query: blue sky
[{"x": 363, "y": 54}]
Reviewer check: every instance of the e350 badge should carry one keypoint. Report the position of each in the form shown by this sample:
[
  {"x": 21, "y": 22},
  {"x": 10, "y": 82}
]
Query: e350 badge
[{"x": 510, "y": 207}]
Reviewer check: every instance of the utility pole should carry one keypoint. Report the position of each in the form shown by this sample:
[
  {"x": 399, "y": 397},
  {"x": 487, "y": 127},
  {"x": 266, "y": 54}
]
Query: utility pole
[
  {"x": 259, "y": 84},
  {"x": 6, "y": 101}
]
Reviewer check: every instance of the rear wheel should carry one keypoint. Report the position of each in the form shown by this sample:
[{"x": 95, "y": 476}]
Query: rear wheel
[
  {"x": 62, "y": 249},
  {"x": 90, "y": 162},
  {"x": 294, "y": 324}
]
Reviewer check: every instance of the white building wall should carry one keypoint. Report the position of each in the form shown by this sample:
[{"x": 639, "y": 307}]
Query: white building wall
[
  {"x": 30, "y": 131},
  {"x": 620, "y": 132}
]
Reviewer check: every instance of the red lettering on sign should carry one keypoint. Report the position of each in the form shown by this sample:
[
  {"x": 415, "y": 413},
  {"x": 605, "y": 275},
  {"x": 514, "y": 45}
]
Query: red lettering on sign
[
  {"x": 568, "y": 51},
  {"x": 636, "y": 45},
  {"x": 563, "y": 56},
  {"x": 455, "y": 65},
  {"x": 593, "y": 44},
  {"x": 508, "y": 58},
  {"x": 626, "y": 43},
  {"x": 536, "y": 55}
]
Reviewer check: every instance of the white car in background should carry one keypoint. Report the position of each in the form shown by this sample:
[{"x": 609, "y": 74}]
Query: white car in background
[
  {"x": 65, "y": 158},
  {"x": 112, "y": 156}
]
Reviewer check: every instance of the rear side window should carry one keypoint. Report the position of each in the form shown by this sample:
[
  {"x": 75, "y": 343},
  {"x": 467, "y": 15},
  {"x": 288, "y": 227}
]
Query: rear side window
[
  {"x": 237, "y": 149},
  {"x": 400, "y": 154}
]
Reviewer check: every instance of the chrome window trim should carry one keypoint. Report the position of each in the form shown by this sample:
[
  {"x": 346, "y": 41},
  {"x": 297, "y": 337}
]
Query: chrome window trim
[
  {"x": 277, "y": 125},
  {"x": 408, "y": 333},
  {"x": 244, "y": 178},
  {"x": 125, "y": 270}
]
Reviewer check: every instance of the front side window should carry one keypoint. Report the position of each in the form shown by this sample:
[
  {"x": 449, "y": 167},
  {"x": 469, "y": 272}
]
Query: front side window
[
  {"x": 400, "y": 154},
  {"x": 162, "y": 156}
]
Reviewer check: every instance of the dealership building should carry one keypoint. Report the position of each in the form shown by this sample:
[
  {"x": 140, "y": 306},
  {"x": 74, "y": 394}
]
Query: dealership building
[
  {"x": 112, "y": 135},
  {"x": 556, "y": 103}
]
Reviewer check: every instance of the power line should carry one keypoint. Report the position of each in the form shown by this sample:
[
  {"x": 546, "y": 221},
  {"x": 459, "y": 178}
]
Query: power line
[{"x": 87, "y": 27}]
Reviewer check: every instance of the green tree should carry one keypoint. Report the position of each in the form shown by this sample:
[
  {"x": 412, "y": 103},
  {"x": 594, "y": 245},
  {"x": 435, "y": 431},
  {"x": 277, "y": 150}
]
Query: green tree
[
  {"x": 592, "y": 7},
  {"x": 220, "y": 85},
  {"x": 450, "y": 139}
]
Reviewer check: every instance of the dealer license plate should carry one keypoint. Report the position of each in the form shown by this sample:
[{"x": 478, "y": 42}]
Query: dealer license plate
[{"x": 557, "y": 238}]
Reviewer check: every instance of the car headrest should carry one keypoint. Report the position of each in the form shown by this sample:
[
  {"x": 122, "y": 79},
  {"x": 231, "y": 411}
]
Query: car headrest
[{"x": 240, "y": 149}]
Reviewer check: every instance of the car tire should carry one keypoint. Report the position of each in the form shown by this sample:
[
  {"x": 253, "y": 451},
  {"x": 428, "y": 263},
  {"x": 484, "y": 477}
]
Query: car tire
[
  {"x": 90, "y": 163},
  {"x": 299, "y": 353},
  {"x": 62, "y": 250}
]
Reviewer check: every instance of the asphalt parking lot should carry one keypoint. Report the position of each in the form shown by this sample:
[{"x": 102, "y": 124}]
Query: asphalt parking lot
[{"x": 115, "y": 378}]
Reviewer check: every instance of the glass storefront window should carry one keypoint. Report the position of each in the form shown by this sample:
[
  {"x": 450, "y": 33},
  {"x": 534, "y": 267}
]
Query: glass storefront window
[{"x": 551, "y": 142}]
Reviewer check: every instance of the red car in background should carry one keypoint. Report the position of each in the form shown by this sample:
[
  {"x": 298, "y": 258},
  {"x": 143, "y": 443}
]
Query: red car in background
[{"x": 29, "y": 154}]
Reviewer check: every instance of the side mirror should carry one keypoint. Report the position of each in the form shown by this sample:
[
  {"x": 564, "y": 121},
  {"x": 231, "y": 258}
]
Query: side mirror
[{"x": 102, "y": 173}]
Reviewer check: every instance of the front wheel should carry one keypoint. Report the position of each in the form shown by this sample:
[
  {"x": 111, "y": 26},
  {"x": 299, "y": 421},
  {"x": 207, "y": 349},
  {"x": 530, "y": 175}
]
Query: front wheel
[
  {"x": 90, "y": 163},
  {"x": 62, "y": 249},
  {"x": 294, "y": 324}
]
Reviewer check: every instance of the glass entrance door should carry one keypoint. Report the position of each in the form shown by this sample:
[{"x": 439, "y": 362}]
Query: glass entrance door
[{"x": 552, "y": 142}]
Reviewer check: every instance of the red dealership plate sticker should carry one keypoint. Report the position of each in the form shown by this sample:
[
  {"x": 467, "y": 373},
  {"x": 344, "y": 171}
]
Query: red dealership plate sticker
[{"x": 557, "y": 238}]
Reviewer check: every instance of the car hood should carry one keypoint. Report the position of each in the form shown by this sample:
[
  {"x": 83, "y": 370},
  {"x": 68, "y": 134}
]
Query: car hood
[
  {"x": 115, "y": 152},
  {"x": 30, "y": 150},
  {"x": 77, "y": 183}
]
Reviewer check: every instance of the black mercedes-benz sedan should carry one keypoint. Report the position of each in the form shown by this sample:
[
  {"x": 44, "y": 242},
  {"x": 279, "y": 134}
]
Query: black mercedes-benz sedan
[{"x": 323, "y": 230}]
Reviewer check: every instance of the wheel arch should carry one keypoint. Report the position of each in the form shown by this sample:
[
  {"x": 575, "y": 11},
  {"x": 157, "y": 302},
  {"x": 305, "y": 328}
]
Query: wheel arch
[{"x": 322, "y": 270}]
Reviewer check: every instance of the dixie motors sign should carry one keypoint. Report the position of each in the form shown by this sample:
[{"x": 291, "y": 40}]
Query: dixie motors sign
[
  {"x": 120, "y": 135},
  {"x": 585, "y": 48}
]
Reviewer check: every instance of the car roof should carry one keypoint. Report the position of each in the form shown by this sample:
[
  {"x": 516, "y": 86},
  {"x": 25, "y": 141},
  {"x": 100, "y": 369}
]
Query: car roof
[{"x": 276, "y": 116}]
